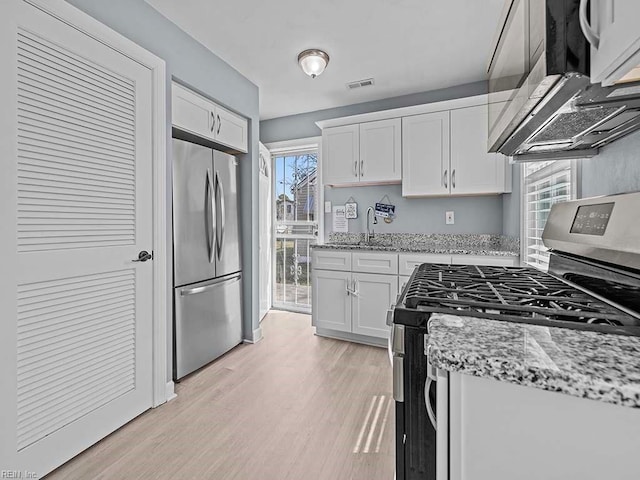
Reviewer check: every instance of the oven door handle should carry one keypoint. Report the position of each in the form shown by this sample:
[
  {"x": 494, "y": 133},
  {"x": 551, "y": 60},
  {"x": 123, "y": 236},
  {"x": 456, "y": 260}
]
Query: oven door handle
[
  {"x": 391, "y": 333},
  {"x": 398, "y": 378},
  {"x": 427, "y": 402}
]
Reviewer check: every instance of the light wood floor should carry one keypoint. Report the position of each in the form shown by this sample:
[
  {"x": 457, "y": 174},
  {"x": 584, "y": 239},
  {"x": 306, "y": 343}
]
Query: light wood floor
[{"x": 293, "y": 406}]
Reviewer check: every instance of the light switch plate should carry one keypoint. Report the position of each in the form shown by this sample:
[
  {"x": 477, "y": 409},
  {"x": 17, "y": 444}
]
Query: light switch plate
[
  {"x": 327, "y": 207},
  {"x": 449, "y": 218}
]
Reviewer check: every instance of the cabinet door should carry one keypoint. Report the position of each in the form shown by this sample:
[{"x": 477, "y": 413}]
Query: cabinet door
[
  {"x": 231, "y": 129},
  {"x": 331, "y": 259},
  {"x": 381, "y": 151},
  {"x": 498, "y": 261},
  {"x": 618, "y": 54},
  {"x": 407, "y": 262},
  {"x": 425, "y": 154},
  {"x": 473, "y": 170},
  {"x": 375, "y": 262},
  {"x": 373, "y": 297},
  {"x": 192, "y": 113},
  {"x": 341, "y": 155},
  {"x": 331, "y": 303}
]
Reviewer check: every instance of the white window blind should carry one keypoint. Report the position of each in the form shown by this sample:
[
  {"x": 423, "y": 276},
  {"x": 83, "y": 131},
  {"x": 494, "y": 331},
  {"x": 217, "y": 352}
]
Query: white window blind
[{"x": 545, "y": 183}]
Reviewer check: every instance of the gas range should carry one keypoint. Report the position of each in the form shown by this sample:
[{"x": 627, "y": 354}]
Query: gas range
[
  {"x": 593, "y": 283},
  {"x": 516, "y": 294}
]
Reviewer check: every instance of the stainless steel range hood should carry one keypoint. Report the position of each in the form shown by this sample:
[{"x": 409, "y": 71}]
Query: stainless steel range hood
[
  {"x": 552, "y": 110},
  {"x": 574, "y": 120}
]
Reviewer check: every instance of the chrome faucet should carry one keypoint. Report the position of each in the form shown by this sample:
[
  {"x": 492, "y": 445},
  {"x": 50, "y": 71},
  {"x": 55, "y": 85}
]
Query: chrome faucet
[{"x": 370, "y": 233}]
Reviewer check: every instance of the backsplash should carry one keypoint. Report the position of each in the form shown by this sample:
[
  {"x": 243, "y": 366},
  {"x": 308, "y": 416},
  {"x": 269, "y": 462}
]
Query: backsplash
[
  {"x": 430, "y": 240},
  {"x": 481, "y": 214}
]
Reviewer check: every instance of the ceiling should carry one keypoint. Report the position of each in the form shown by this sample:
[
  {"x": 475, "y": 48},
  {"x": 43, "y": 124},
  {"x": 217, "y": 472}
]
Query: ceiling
[{"x": 407, "y": 46}]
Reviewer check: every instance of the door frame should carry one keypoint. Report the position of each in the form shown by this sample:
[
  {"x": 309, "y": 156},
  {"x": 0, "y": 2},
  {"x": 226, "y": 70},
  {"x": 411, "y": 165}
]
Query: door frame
[
  {"x": 163, "y": 390},
  {"x": 274, "y": 149}
]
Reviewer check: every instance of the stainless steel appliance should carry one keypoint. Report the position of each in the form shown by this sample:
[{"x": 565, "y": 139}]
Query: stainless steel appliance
[
  {"x": 593, "y": 283},
  {"x": 206, "y": 256},
  {"x": 541, "y": 63}
]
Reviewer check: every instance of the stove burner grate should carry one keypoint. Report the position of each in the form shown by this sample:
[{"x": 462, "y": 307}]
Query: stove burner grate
[{"x": 514, "y": 292}]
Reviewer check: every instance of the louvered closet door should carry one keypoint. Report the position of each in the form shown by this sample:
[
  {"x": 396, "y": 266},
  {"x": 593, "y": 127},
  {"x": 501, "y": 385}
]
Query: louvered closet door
[{"x": 76, "y": 209}]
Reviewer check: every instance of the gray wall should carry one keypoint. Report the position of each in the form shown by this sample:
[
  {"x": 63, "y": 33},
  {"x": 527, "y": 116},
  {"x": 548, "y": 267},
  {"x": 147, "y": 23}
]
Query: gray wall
[
  {"x": 413, "y": 215},
  {"x": 303, "y": 125},
  {"x": 615, "y": 170},
  {"x": 194, "y": 65}
]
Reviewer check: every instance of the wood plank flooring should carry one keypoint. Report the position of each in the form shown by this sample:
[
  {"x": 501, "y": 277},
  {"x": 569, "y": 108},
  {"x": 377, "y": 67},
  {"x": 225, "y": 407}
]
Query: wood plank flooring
[{"x": 293, "y": 406}]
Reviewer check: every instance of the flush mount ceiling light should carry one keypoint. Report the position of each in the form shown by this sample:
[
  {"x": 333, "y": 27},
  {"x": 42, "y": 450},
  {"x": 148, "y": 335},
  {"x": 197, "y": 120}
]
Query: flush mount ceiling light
[{"x": 313, "y": 61}]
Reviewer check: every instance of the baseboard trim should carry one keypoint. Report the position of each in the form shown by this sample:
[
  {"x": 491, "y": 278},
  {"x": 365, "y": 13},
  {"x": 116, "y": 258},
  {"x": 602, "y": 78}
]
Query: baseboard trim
[
  {"x": 257, "y": 336},
  {"x": 352, "y": 337},
  {"x": 170, "y": 391}
]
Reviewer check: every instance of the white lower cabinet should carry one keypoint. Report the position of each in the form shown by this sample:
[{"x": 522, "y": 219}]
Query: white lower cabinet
[
  {"x": 330, "y": 299},
  {"x": 493, "y": 260},
  {"x": 374, "y": 293},
  {"x": 352, "y": 291},
  {"x": 352, "y": 302},
  {"x": 503, "y": 431},
  {"x": 407, "y": 262}
]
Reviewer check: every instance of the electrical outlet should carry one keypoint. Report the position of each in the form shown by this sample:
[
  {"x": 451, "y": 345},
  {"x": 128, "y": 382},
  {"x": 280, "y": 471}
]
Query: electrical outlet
[
  {"x": 327, "y": 207},
  {"x": 449, "y": 218}
]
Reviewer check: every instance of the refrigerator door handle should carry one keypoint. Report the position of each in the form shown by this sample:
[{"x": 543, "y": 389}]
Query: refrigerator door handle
[
  {"x": 220, "y": 190},
  {"x": 195, "y": 290},
  {"x": 209, "y": 215}
]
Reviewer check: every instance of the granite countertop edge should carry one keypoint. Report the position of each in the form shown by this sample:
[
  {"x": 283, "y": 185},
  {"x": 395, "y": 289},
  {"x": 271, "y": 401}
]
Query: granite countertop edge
[
  {"x": 591, "y": 382},
  {"x": 421, "y": 249}
]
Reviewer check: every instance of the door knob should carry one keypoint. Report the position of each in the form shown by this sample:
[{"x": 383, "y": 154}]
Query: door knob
[{"x": 143, "y": 256}]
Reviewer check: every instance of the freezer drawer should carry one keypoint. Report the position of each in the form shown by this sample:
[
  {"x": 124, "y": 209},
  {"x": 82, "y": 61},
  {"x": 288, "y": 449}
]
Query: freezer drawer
[{"x": 208, "y": 322}]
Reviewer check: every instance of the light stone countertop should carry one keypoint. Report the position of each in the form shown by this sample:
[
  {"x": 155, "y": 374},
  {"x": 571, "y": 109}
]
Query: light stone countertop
[
  {"x": 445, "y": 244},
  {"x": 594, "y": 365}
]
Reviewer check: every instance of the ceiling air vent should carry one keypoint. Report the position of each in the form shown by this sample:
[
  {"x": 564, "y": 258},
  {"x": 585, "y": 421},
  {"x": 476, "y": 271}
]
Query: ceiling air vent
[{"x": 367, "y": 82}]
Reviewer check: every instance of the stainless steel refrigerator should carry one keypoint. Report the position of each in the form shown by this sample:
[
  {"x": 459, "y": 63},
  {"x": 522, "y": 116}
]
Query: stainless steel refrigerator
[{"x": 206, "y": 256}]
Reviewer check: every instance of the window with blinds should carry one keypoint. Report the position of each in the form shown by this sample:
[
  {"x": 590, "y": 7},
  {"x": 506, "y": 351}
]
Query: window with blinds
[{"x": 545, "y": 183}]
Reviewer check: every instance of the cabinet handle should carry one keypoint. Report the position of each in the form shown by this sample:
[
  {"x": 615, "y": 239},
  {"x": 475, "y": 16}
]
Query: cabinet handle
[
  {"x": 213, "y": 121},
  {"x": 444, "y": 179},
  {"x": 361, "y": 168},
  {"x": 219, "y": 125},
  {"x": 590, "y": 34},
  {"x": 355, "y": 289},
  {"x": 355, "y": 168},
  {"x": 453, "y": 178}
]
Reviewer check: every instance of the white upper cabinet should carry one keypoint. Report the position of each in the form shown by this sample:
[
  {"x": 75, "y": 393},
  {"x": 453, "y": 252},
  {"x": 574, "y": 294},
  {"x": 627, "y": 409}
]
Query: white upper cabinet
[
  {"x": 341, "y": 155},
  {"x": 615, "y": 55},
  {"x": 381, "y": 151},
  {"x": 199, "y": 116},
  {"x": 425, "y": 154},
  {"x": 473, "y": 170},
  {"x": 231, "y": 129},
  {"x": 365, "y": 153},
  {"x": 438, "y": 149},
  {"x": 191, "y": 112},
  {"x": 445, "y": 153}
]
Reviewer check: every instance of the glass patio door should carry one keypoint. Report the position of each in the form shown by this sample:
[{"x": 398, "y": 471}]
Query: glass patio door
[{"x": 296, "y": 227}]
